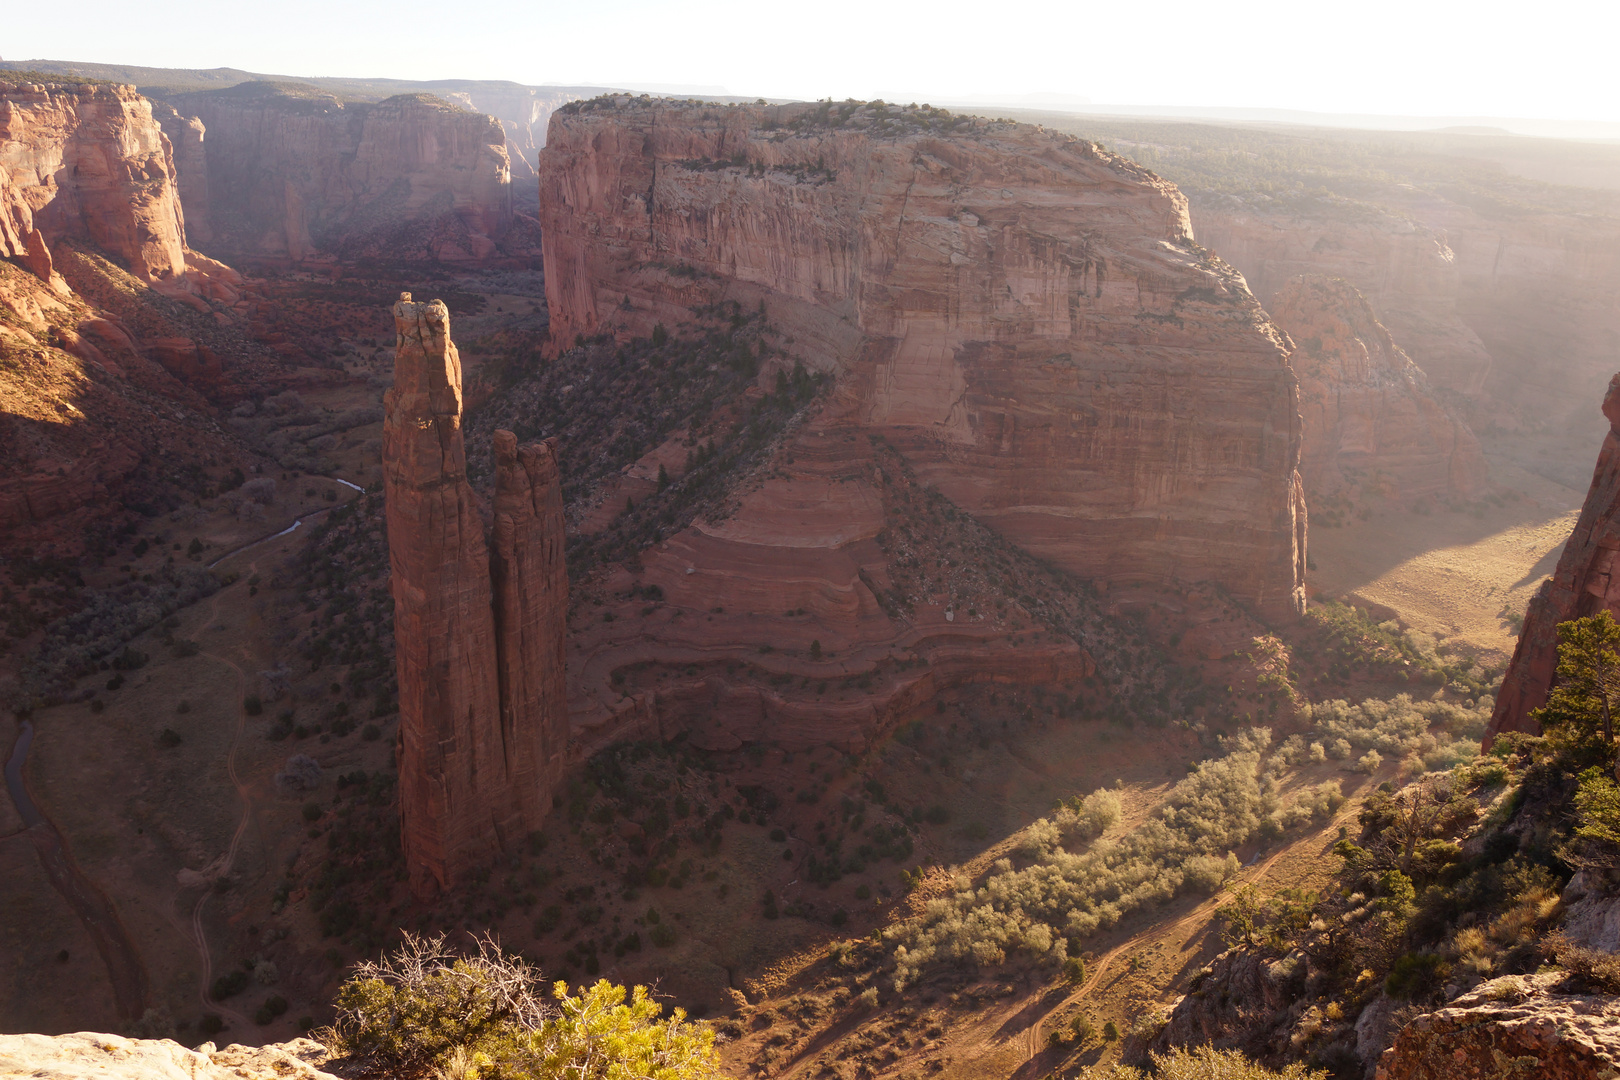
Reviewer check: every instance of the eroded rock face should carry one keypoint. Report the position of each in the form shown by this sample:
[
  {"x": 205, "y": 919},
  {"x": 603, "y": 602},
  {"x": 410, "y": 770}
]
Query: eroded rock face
[
  {"x": 295, "y": 172},
  {"x": 1023, "y": 314},
  {"x": 1368, "y": 414},
  {"x": 1583, "y": 584},
  {"x": 1517, "y": 1026},
  {"x": 186, "y": 137},
  {"x": 482, "y": 727},
  {"x": 89, "y": 162}
]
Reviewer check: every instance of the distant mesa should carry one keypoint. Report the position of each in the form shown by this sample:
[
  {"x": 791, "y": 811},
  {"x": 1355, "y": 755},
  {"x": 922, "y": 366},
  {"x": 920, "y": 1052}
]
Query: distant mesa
[{"x": 1025, "y": 316}]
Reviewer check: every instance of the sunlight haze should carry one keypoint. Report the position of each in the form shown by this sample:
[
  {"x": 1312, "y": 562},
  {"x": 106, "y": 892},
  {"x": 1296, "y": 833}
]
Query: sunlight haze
[{"x": 1382, "y": 57}]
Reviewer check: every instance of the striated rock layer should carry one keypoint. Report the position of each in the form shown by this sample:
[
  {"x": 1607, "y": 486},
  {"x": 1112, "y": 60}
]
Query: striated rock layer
[
  {"x": 1368, "y": 414},
  {"x": 295, "y": 172},
  {"x": 1515, "y": 1026},
  {"x": 87, "y": 162},
  {"x": 482, "y": 723},
  {"x": 1023, "y": 314},
  {"x": 1583, "y": 584}
]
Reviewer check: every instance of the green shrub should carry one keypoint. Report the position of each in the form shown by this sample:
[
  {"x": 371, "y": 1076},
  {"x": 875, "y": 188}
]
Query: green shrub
[
  {"x": 424, "y": 1009},
  {"x": 252, "y": 705}
]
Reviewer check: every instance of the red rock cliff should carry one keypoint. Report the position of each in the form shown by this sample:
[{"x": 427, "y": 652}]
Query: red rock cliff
[
  {"x": 1024, "y": 314},
  {"x": 1369, "y": 416},
  {"x": 293, "y": 171},
  {"x": 482, "y": 729},
  {"x": 1584, "y": 583},
  {"x": 88, "y": 162}
]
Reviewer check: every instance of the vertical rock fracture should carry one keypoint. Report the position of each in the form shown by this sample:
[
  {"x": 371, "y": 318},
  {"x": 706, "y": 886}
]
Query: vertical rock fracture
[{"x": 479, "y": 635}]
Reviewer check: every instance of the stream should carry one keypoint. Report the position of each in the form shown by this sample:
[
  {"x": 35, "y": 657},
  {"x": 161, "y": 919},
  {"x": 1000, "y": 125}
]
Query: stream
[
  {"x": 90, "y": 904},
  {"x": 291, "y": 528}
]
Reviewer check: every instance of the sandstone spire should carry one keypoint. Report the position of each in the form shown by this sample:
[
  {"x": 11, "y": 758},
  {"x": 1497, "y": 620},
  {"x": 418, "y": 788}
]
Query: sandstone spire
[{"x": 482, "y": 719}]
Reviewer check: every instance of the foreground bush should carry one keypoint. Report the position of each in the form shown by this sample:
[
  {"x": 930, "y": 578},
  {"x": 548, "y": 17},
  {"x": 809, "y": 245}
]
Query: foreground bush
[{"x": 426, "y": 1011}]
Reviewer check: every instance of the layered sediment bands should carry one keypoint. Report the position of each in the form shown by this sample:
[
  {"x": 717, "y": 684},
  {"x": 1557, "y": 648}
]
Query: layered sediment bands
[
  {"x": 1369, "y": 417},
  {"x": 477, "y": 670},
  {"x": 715, "y": 657},
  {"x": 87, "y": 162},
  {"x": 295, "y": 172},
  {"x": 1584, "y": 583},
  {"x": 1022, "y": 313}
]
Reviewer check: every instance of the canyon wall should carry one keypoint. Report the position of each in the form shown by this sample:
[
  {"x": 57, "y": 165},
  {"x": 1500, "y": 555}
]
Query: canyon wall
[
  {"x": 87, "y": 161},
  {"x": 1509, "y": 305},
  {"x": 186, "y": 135},
  {"x": 1024, "y": 315},
  {"x": 1369, "y": 418},
  {"x": 295, "y": 172},
  {"x": 523, "y": 112},
  {"x": 1583, "y": 584},
  {"x": 482, "y": 724}
]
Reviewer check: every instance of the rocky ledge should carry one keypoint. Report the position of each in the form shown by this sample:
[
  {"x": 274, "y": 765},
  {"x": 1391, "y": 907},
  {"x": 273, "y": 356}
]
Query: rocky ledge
[
  {"x": 92, "y": 1054},
  {"x": 1511, "y": 1027}
]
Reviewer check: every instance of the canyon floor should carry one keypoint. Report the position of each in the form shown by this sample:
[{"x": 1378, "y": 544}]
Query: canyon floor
[{"x": 1464, "y": 572}]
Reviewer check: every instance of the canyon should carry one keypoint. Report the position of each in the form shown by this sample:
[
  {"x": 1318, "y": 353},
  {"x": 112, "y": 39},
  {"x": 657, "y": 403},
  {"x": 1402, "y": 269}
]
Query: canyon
[
  {"x": 884, "y": 476},
  {"x": 483, "y": 724},
  {"x": 523, "y": 111},
  {"x": 1023, "y": 315},
  {"x": 294, "y": 172},
  {"x": 1507, "y": 308}
]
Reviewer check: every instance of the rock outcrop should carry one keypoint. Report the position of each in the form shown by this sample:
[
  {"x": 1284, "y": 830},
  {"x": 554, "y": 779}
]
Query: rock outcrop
[
  {"x": 1584, "y": 583},
  {"x": 295, "y": 172},
  {"x": 87, "y": 161},
  {"x": 1517, "y": 1026},
  {"x": 1369, "y": 417},
  {"x": 482, "y": 725},
  {"x": 88, "y": 1054},
  {"x": 1024, "y": 315}
]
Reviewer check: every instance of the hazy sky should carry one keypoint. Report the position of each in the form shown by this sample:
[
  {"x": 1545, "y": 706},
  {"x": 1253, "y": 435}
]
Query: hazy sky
[{"x": 1404, "y": 57}]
